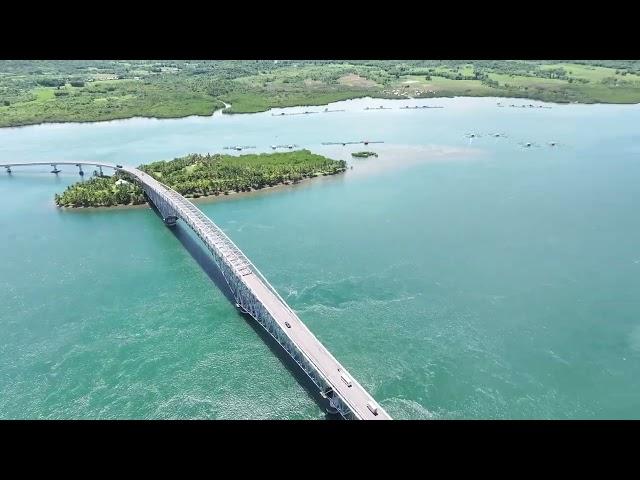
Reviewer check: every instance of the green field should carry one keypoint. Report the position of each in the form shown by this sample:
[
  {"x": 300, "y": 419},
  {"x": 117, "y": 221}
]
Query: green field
[
  {"x": 83, "y": 91},
  {"x": 104, "y": 100}
]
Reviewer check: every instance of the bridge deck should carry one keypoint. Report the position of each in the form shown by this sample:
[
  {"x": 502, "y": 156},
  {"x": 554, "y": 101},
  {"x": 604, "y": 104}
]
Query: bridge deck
[
  {"x": 330, "y": 370},
  {"x": 355, "y": 395}
]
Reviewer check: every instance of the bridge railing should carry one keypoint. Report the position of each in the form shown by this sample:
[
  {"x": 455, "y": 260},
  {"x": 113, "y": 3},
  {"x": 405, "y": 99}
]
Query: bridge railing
[
  {"x": 190, "y": 212},
  {"x": 181, "y": 202},
  {"x": 179, "y": 198}
]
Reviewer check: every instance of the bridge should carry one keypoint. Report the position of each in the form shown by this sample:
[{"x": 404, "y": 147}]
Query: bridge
[{"x": 254, "y": 296}]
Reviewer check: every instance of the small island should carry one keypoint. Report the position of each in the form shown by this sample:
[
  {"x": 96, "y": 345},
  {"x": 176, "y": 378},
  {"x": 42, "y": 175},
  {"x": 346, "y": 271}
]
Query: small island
[
  {"x": 364, "y": 154},
  {"x": 199, "y": 175}
]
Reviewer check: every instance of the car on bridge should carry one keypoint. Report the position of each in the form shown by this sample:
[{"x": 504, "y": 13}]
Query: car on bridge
[{"x": 287, "y": 324}]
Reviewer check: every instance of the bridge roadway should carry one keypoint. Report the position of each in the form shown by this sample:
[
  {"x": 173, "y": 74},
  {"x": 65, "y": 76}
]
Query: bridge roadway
[{"x": 256, "y": 297}]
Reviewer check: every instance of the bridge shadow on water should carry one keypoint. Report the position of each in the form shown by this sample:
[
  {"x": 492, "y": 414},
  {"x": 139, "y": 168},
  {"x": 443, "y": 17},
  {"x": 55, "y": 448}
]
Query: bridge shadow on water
[{"x": 201, "y": 255}]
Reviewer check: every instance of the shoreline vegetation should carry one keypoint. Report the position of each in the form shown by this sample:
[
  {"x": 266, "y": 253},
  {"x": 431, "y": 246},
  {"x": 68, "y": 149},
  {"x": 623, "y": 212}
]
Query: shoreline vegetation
[
  {"x": 44, "y": 91},
  {"x": 205, "y": 198},
  {"x": 196, "y": 176}
]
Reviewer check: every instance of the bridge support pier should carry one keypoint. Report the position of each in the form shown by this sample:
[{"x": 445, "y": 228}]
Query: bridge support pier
[
  {"x": 168, "y": 213},
  {"x": 170, "y": 221},
  {"x": 100, "y": 167},
  {"x": 253, "y": 295},
  {"x": 333, "y": 406},
  {"x": 55, "y": 169}
]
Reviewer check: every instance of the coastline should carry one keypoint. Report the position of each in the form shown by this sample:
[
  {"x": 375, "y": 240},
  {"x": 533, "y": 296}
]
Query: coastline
[
  {"x": 372, "y": 96},
  {"x": 119, "y": 119},
  {"x": 211, "y": 198}
]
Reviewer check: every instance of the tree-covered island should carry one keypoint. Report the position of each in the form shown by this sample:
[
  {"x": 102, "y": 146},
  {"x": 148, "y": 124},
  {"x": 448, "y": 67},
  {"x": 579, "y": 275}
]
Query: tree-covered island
[{"x": 198, "y": 175}]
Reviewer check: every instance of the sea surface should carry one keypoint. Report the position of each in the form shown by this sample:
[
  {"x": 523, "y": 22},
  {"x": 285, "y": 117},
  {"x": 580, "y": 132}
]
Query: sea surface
[{"x": 455, "y": 277}]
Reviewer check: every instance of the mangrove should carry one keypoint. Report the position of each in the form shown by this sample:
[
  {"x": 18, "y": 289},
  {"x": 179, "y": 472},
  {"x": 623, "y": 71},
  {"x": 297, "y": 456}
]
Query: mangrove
[{"x": 198, "y": 175}]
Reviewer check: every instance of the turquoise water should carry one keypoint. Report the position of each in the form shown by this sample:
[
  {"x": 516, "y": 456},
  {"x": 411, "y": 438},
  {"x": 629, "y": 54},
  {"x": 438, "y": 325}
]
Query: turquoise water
[{"x": 453, "y": 277}]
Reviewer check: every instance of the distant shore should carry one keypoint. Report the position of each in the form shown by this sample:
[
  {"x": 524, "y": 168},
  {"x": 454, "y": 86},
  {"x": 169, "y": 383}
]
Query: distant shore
[
  {"x": 226, "y": 110},
  {"x": 34, "y": 92},
  {"x": 177, "y": 116}
]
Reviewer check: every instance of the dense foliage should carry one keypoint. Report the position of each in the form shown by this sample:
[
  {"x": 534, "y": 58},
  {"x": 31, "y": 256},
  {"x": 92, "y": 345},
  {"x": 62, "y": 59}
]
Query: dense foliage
[
  {"x": 197, "y": 175},
  {"x": 200, "y": 175},
  {"x": 77, "y": 90},
  {"x": 101, "y": 192}
]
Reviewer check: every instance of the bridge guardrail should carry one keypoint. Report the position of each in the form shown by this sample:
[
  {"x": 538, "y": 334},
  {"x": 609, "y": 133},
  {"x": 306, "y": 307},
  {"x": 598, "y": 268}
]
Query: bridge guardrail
[
  {"x": 259, "y": 274},
  {"x": 187, "y": 210}
]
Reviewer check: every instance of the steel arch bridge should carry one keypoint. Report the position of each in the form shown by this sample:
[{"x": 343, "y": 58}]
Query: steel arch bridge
[{"x": 254, "y": 295}]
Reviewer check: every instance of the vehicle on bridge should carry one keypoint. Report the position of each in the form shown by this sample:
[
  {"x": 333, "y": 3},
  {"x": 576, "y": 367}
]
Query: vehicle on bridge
[
  {"x": 254, "y": 295},
  {"x": 345, "y": 378}
]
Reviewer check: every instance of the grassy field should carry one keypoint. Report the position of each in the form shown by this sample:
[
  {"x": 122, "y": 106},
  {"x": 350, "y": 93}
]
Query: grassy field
[
  {"x": 419, "y": 87},
  {"x": 83, "y": 91},
  {"x": 582, "y": 84}
]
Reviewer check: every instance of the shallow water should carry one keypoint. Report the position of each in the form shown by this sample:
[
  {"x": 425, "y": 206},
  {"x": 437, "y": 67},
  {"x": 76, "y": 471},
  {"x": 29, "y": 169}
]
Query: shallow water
[{"x": 453, "y": 277}]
